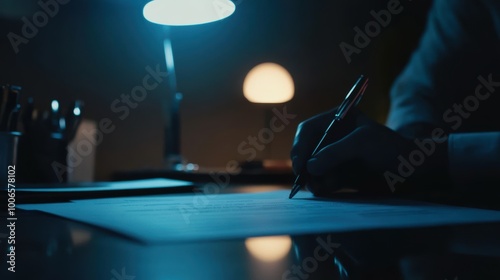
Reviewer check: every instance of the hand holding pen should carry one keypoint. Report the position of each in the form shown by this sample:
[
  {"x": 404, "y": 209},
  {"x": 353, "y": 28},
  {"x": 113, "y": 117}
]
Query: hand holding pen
[
  {"x": 351, "y": 100},
  {"x": 338, "y": 151}
]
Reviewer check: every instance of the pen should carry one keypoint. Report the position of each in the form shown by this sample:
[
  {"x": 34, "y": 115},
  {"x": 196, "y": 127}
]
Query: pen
[
  {"x": 27, "y": 115},
  {"x": 10, "y": 100},
  {"x": 54, "y": 117},
  {"x": 13, "y": 118},
  {"x": 352, "y": 99},
  {"x": 3, "y": 96}
]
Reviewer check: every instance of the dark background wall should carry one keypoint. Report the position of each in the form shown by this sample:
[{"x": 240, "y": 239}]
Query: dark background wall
[{"x": 96, "y": 50}]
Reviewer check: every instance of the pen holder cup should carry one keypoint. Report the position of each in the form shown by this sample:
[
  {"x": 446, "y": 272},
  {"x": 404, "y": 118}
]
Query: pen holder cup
[
  {"x": 8, "y": 157},
  {"x": 42, "y": 159}
]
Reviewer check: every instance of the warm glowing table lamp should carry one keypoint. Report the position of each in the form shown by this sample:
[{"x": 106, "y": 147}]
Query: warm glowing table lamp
[
  {"x": 268, "y": 84},
  {"x": 180, "y": 13}
]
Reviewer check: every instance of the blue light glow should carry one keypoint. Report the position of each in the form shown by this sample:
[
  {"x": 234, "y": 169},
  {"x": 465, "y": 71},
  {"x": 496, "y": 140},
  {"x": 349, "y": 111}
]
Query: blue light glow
[
  {"x": 54, "y": 105},
  {"x": 76, "y": 111},
  {"x": 62, "y": 123},
  {"x": 187, "y": 12}
]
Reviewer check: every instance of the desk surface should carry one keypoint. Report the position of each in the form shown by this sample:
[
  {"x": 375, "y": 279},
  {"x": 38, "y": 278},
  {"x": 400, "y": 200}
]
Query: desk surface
[{"x": 49, "y": 247}]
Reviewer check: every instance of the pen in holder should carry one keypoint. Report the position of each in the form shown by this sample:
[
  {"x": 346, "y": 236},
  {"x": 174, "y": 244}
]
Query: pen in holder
[
  {"x": 43, "y": 149},
  {"x": 39, "y": 155},
  {"x": 42, "y": 159},
  {"x": 8, "y": 156},
  {"x": 9, "y": 137}
]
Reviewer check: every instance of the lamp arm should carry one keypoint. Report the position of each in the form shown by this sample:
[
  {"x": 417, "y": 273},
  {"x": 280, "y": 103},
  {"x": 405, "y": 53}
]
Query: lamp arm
[{"x": 172, "y": 149}]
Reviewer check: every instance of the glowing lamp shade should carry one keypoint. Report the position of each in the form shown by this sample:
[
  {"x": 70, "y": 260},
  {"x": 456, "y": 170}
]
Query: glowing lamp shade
[
  {"x": 269, "y": 248},
  {"x": 268, "y": 83},
  {"x": 187, "y": 12}
]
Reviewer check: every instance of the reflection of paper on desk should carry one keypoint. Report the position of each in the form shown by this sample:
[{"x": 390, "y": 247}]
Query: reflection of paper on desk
[{"x": 197, "y": 217}]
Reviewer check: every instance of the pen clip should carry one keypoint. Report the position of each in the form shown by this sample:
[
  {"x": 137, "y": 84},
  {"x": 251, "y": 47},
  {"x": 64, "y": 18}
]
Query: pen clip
[{"x": 361, "y": 93}]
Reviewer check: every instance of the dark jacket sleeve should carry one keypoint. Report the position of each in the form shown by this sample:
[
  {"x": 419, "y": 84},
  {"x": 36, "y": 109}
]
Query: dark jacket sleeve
[{"x": 456, "y": 49}]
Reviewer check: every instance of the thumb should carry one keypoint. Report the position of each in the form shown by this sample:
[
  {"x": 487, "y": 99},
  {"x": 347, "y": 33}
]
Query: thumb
[{"x": 346, "y": 149}]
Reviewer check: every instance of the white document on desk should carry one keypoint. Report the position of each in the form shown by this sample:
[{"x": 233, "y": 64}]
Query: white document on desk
[{"x": 174, "y": 218}]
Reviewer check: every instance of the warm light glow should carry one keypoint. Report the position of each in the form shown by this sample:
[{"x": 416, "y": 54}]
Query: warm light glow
[
  {"x": 187, "y": 12},
  {"x": 80, "y": 236},
  {"x": 269, "y": 249},
  {"x": 268, "y": 83}
]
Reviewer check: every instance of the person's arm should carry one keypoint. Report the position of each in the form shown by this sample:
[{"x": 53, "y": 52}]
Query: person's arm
[
  {"x": 416, "y": 154},
  {"x": 458, "y": 46}
]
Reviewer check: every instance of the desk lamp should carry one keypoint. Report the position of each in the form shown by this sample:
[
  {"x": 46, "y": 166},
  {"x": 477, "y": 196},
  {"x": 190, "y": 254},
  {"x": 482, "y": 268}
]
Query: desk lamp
[
  {"x": 180, "y": 13},
  {"x": 268, "y": 84}
]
